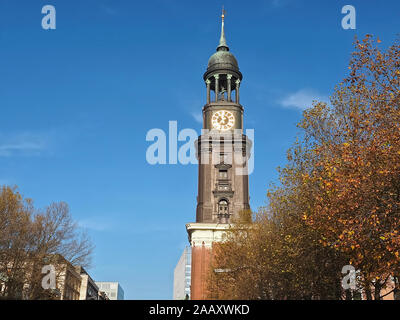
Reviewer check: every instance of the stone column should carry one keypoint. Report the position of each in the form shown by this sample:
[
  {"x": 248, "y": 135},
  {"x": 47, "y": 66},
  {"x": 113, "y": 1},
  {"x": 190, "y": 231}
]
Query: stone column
[
  {"x": 229, "y": 77},
  {"x": 237, "y": 90},
  {"x": 216, "y": 87},
  {"x": 208, "y": 90}
]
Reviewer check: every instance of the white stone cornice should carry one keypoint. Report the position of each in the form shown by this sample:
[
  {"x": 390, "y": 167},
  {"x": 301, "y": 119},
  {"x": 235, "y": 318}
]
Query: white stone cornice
[{"x": 206, "y": 233}]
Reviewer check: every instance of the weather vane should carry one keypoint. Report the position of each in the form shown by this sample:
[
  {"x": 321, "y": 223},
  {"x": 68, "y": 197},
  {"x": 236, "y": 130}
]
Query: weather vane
[{"x": 223, "y": 13}]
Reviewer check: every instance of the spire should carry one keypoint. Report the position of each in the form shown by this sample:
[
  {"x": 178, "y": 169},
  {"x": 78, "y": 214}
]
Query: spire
[{"x": 222, "y": 41}]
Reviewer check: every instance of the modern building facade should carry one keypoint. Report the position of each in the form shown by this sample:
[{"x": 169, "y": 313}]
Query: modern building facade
[
  {"x": 223, "y": 152},
  {"x": 182, "y": 276},
  {"x": 113, "y": 290}
]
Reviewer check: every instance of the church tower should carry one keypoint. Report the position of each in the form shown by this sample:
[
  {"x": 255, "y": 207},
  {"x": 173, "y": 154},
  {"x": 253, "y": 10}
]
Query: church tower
[{"x": 222, "y": 152}]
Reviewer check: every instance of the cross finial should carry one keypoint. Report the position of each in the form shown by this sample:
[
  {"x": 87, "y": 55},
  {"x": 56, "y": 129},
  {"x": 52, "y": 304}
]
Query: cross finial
[{"x": 223, "y": 13}]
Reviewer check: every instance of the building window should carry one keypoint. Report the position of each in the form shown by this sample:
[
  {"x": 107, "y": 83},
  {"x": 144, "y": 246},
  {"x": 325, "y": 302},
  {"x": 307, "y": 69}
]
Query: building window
[
  {"x": 223, "y": 174},
  {"x": 223, "y": 211},
  {"x": 223, "y": 207}
]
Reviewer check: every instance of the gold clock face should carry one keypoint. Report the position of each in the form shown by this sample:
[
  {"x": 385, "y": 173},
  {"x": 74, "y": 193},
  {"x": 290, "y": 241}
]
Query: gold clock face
[{"x": 222, "y": 120}]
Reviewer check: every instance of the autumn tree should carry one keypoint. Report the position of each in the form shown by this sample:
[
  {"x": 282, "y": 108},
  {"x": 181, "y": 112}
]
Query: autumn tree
[
  {"x": 277, "y": 256},
  {"x": 338, "y": 200},
  {"x": 15, "y": 240},
  {"x": 354, "y": 180},
  {"x": 31, "y": 238}
]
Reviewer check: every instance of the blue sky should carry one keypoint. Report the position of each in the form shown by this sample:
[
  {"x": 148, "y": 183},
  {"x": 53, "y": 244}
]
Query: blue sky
[{"x": 76, "y": 104}]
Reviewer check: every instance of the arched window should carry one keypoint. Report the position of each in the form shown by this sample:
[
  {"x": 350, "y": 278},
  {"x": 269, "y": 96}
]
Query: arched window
[
  {"x": 223, "y": 207},
  {"x": 223, "y": 211}
]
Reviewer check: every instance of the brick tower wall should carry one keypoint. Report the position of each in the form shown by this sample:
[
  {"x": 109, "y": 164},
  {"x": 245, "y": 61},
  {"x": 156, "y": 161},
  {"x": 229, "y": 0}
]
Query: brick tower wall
[{"x": 201, "y": 262}]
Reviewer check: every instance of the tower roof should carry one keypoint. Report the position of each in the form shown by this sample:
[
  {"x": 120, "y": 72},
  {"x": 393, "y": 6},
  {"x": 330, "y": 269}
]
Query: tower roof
[
  {"x": 222, "y": 41},
  {"x": 222, "y": 61}
]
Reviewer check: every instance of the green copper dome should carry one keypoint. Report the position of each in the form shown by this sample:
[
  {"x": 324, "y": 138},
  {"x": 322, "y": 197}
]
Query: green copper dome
[{"x": 222, "y": 61}]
